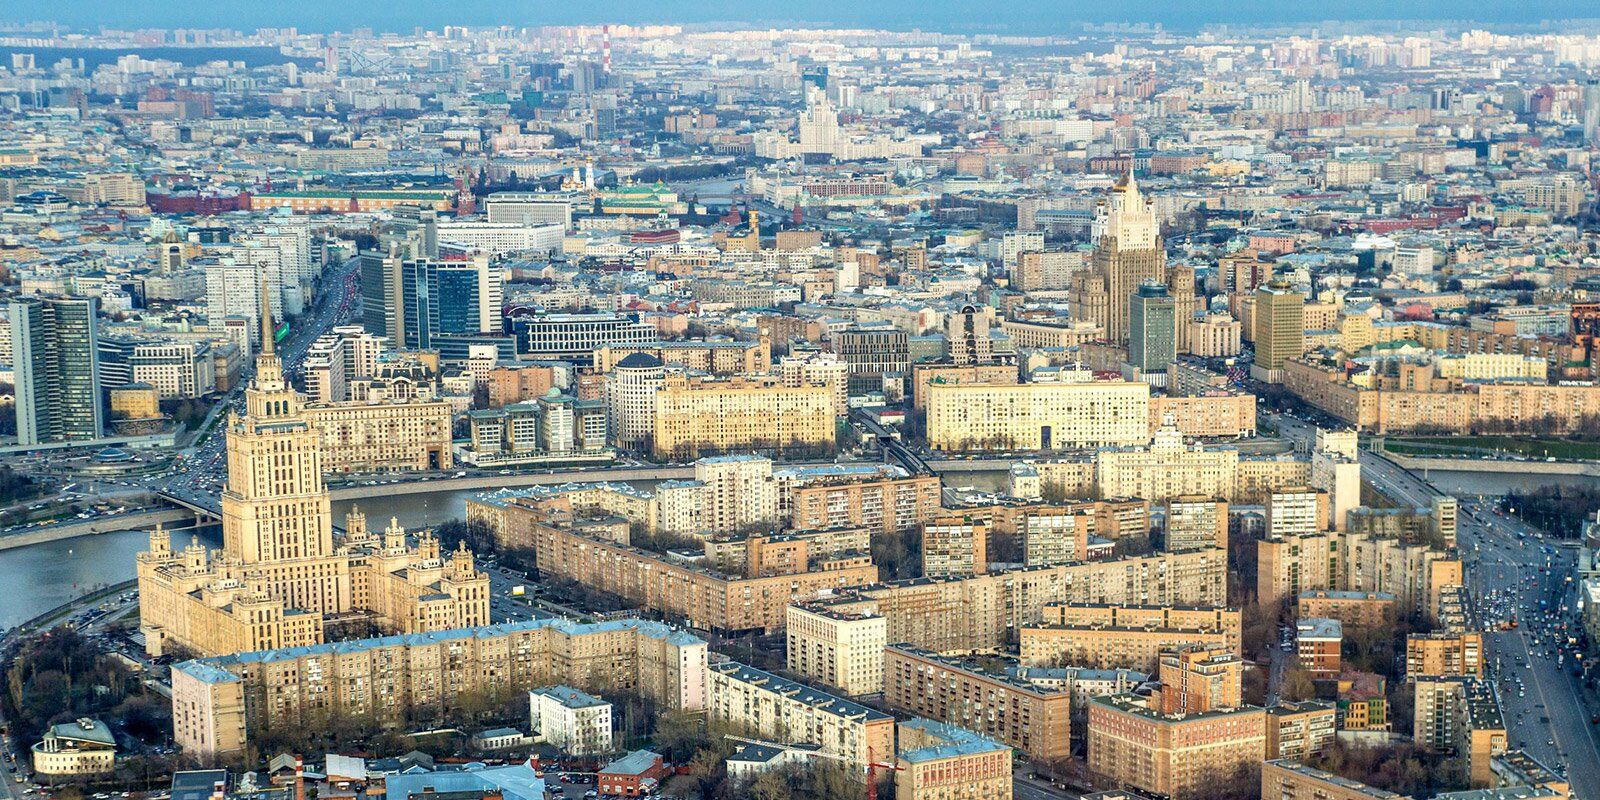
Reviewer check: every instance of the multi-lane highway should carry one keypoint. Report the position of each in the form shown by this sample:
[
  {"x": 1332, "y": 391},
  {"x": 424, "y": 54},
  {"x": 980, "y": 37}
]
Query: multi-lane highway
[
  {"x": 1513, "y": 571},
  {"x": 1511, "y": 568}
]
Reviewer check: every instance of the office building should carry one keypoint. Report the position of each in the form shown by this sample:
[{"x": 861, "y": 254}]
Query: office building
[
  {"x": 442, "y": 298},
  {"x": 1279, "y": 329},
  {"x": 871, "y": 354},
  {"x": 56, "y": 359},
  {"x": 1152, "y": 331},
  {"x": 575, "y": 337}
]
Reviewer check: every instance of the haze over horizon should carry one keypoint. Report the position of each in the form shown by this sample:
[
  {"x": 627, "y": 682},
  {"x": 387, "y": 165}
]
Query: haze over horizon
[{"x": 1035, "y": 16}]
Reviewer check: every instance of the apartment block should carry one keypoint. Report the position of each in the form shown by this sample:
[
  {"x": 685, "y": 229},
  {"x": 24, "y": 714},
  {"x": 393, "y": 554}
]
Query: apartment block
[
  {"x": 1445, "y": 653},
  {"x": 702, "y": 416},
  {"x": 984, "y": 611},
  {"x": 771, "y": 707},
  {"x": 954, "y": 545},
  {"x": 837, "y": 649},
  {"x": 1194, "y": 522},
  {"x": 1354, "y": 610},
  {"x": 1031, "y": 718},
  {"x": 1317, "y": 645},
  {"x": 701, "y": 596},
  {"x": 1171, "y": 755},
  {"x": 1288, "y": 779},
  {"x": 1300, "y": 730},
  {"x": 938, "y": 761},
  {"x": 394, "y": 679}
]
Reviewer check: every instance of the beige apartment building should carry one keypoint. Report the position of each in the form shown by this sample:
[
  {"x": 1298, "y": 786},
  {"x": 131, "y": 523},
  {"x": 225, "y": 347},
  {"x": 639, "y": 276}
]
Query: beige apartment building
[
  {"x": 1107, "y": 646},
  {"x": 1036, "y": 720},
  {"x": 1038, "y": 416},
  {"x": 1179, "y": 742},
  {"x": 1445, "y": 653},
  {"x": 1169, "y": 468},
  {"x": 1288, "y": 779},
  {"x": 885, "y": 503},
  {"x": 1457, "y": 408},
  {"x": 700, "y": 416},
  {"x": 383, "y": 436},
  {"x": 701, "y": 596},
  {"x": 281, "y": 577},
  {"x": 983, "y": 612},
  {"x": 1176, "y": 756},
  {"x": 713, "y": 357},
  {"x": 938, "y": 761},
  {"x": 1193, "y": 522},
  {"x": 778, "y": 709},
  {"x": 1124, "y": 636},
  {"x": 1300, "y": 730},
  {"x": 1215, "y": 415},
  {"x": 1460, "y": 715},
  {"x": 1354, "y": 610},
  {"x": 953, "y": 545},
  {"x": 219, "y": 704},
  {"x": 838, "y": 649}
]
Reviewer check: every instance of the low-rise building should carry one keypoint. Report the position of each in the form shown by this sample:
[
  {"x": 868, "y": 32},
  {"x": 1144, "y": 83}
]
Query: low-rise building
[
  {"x": 636, "y": 774},
  {"x": 570, "y": 720},
  {"x": 83, "y": 748}
]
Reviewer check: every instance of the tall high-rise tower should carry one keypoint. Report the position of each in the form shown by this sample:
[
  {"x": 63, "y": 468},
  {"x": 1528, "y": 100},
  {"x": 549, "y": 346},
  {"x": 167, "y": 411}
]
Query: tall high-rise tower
[
  {"x": 1127, "y": 252},
  {"x": 54, "y": 346},
  {"x": 281, "y": 575},
  {"x": 1279, "y": 329},
  {"x": 1152, "y": 322},
  {"x": 275, "y": 508}
]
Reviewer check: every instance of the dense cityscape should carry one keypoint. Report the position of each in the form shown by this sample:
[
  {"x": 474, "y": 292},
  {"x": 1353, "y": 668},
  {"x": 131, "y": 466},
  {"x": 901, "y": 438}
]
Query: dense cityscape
[{"x": 704, "y": 412}]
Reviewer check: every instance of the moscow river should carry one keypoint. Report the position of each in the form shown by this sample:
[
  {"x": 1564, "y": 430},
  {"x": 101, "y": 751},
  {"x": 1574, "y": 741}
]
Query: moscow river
[{"x": 41, "y": 577}]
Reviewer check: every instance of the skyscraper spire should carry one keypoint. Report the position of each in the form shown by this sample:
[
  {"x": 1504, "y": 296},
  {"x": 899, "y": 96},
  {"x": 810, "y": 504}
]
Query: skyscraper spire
[{"x": 266, "y": 319}]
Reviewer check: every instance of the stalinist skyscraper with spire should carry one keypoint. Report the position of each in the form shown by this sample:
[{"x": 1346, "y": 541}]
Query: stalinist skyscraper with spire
[
  {"x": 1127, "y": 252},
  {"x": 282, "y": 578}
]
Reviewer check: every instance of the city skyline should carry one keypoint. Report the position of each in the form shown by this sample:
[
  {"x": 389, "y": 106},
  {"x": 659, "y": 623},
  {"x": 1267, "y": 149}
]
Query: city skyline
[{"x": 1031, "y": 17}]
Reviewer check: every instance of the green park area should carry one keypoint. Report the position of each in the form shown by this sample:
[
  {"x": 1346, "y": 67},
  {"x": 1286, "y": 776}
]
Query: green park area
[{"x": 1534, "y": 447}]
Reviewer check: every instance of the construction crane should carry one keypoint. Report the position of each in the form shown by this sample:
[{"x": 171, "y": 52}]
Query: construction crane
[{"x": 872, "y": 766}]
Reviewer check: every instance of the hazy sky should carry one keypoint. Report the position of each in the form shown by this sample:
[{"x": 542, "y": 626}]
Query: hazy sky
[{"x": 954, "y": 15}]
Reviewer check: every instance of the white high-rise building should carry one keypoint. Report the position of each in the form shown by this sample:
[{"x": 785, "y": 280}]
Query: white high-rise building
[
  {"x": 631, "y": 400},
  {"x": 1413, "y": 261},
  {"x": 233, "y": 289},
  {"x": 338, "y": 357}
]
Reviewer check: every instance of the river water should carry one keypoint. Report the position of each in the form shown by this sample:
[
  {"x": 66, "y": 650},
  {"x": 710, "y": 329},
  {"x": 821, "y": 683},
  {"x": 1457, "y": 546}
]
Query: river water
[{"x": 43, "y": 576}]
